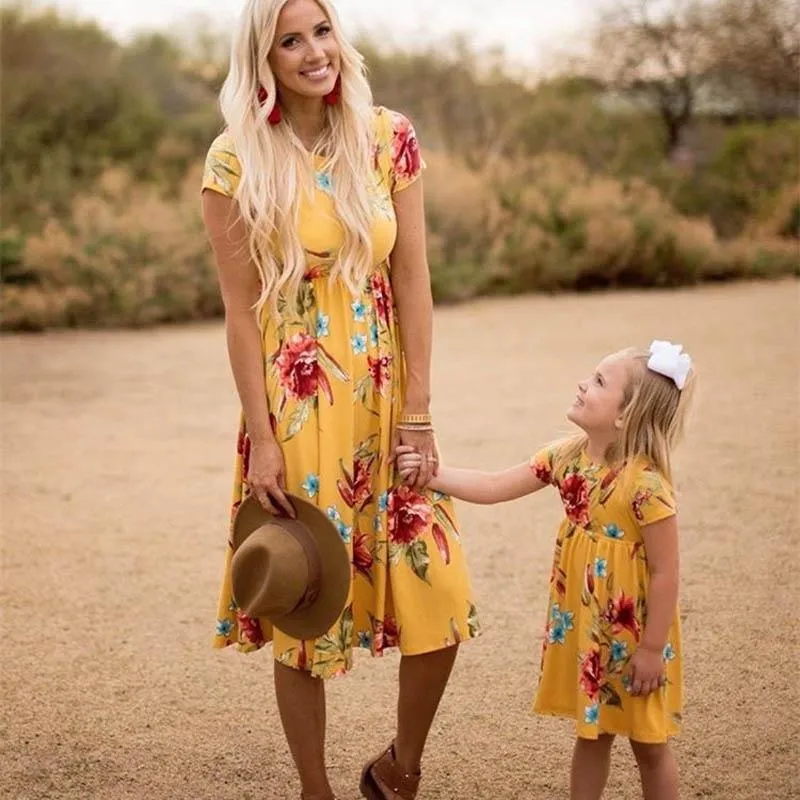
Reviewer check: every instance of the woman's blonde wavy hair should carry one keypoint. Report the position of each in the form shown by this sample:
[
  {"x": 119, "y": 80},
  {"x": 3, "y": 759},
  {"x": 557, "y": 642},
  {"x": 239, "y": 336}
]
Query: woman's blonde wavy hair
[
  {"x": 654, "y": 413},
  {"x": 276, "y": 168}
]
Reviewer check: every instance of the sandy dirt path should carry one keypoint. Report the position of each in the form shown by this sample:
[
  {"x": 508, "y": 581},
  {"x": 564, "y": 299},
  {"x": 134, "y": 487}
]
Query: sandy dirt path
[{"x": 117, "y": 449}]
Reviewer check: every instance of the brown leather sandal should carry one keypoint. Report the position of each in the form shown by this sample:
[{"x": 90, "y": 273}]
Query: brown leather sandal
[{"x": 383, "y": 779}]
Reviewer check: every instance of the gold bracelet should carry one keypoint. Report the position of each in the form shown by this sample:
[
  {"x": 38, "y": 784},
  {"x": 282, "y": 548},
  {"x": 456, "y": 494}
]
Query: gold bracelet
[
  {"x": 415, "y": 419},
  {"x": 414, "y": 428}
]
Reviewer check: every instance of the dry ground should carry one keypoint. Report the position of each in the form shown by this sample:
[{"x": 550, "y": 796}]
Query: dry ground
[{"x": 117, "y": 448}]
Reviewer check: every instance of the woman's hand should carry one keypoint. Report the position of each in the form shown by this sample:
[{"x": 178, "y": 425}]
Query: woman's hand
[
  {"x": 266, "y": 477},
  {"x": 646, "y": 671},
  {"x": 423, "y": 443}
]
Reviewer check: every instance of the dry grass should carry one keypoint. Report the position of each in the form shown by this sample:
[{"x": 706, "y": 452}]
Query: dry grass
[{"x": 116, "y": 471}]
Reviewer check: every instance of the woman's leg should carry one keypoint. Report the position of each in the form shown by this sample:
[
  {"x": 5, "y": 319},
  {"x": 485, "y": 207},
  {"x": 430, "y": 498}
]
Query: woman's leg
[
  {"x": 658, "y": 770},
  {"x": 423, "y": 680},
  {"x": 301, "y": 703},
  {"x": 591, "y": 759}
]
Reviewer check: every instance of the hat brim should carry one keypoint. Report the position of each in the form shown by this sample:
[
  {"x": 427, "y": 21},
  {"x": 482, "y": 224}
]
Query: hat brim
[{"x": 317, "y": 618}]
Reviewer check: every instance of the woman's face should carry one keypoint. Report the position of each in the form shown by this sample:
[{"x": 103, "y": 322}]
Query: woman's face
[{"x": 304, "y": 56}]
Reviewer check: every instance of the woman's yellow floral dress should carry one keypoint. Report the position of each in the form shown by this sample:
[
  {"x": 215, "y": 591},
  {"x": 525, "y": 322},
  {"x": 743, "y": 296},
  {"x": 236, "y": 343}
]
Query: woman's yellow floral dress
[
  {"x": 334, "y": 381},
  {"x": 598, "y": 602}
]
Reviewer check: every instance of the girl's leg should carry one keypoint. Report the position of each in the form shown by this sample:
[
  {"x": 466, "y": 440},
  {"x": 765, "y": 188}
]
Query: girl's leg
[
  {"x": 301, "y": 703},
  {"x": 423, "y": 680},
  {"x": 591, "y": 759},
  {"x": 658, "y": 770}
]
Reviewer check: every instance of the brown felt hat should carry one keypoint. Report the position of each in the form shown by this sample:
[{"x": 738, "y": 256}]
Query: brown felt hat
[{"x": 294, "y": 572}]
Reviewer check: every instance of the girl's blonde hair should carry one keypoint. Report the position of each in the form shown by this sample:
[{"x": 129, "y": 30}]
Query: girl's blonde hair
[
  {"x": 654, "y": 413},
  {"x": 277, "y": 170}
]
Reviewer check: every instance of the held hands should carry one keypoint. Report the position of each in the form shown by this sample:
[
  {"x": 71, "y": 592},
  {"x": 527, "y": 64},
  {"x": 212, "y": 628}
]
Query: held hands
[
  {"x": 646, "y": 671},
  {"x": 266, "y": 477},
  {"x": 416, "y": 465}
]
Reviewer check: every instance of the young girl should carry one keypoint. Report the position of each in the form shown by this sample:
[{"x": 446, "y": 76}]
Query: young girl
[{"x": 611, "y": 656}]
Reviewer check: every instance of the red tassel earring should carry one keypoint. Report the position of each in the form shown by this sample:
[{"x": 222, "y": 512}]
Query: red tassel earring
[
  {"x": 275, "y": 116},
  {"x": 335, "y": 94}
]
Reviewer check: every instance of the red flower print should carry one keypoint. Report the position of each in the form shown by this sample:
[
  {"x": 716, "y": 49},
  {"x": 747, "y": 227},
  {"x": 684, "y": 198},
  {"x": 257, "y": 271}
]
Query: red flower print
[
  {"x": 299, "y": 368},
  {"x": 302, "y": 659},
  {"x": 406, "y": 159},
  {"x": 382, "y": 295},
  {"x": 639, "y": 499},
  {"x": 591, "y": 675},
  {"x": 391, "y": 634},
  {"x": 609, "y": 478},
  {"x": 409, "y": 515},
  {"x": 362, "y": 555},
  {"x": 356, "y": 490},
  {"x": 542, "y": 472},
  {"x": 379, "y": 371},
  {"x": 243, "y": 449},
  {"x": 385, "y": 633},
  {"x": 575, "y": 494},
  {"x": 440, "y": 537},
  {"x": 621, "y": 615},
  {"x": 250, "y": 628}
]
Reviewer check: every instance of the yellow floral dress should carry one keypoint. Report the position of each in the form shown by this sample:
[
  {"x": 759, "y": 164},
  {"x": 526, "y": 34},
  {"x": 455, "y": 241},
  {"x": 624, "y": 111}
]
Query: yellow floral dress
[
  {"x": 334, "y": 381},
  {"x": 598, "y": 602}
]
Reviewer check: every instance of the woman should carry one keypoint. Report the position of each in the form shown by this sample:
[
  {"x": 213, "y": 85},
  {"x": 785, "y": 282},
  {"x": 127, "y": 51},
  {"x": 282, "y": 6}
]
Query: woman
[{"x": 314, "y": 209}]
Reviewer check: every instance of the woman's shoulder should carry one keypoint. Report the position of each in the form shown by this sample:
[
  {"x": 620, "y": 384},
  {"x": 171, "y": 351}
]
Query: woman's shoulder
[{"x": 222, "y": 170}]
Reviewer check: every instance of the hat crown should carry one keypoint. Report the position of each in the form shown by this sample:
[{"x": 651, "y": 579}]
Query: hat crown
[{"x": 273, "y": 571}]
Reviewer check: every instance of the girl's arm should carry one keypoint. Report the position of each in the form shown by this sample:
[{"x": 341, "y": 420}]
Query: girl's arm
[
  {"x": 646, "y": 666},
  {"x": 661, "y": 545},
  {"x": 485, "y": 488}
]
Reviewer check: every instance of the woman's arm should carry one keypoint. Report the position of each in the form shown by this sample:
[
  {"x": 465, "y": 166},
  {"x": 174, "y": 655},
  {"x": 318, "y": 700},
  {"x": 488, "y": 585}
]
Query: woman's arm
[
  {"x": 411, "y": 286},
  {"x": 485, "y": 488},
  {"x": 240, "y": 288}
]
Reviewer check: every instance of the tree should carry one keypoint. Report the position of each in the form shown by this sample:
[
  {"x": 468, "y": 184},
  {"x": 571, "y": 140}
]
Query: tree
[{"x": 654, "y": 52}]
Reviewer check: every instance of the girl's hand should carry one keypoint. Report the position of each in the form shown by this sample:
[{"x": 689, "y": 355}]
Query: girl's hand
[
  {"x": 266, "y": 477},
  {"x": 408, "y": 461},
  {"x": 646, "y": 671}
]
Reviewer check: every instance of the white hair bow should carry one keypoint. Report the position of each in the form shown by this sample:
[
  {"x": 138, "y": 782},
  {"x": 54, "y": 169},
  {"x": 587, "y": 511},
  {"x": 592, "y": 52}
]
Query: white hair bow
[{"x": 668, "y": 359}]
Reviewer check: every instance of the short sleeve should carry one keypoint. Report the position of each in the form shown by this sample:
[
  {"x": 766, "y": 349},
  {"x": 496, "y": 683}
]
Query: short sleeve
[
  {"x": 652, "y": 498},
  {"x": 406, "y": 163},
  {"x": 542, "y": 465},
  {"x": 222, "y": 170}
]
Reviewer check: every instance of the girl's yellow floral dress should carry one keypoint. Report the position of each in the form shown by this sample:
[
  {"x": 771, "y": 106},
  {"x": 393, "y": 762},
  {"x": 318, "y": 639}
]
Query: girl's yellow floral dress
[
  {"x": 598, "y": 602},
  {"x": 334, "y": 381}
]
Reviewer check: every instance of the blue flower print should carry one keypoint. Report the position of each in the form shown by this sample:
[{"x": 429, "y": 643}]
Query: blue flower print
[
  {"x": 323, "y": 325},
  {"x": 669, "y": 652},
  {"x": 364, "y": 639},
  {"x": 591, "y": 714},
  {"x": 601, "y": 568},
  {"x": 323, "y": 181},
  {"x": 373, "y": 335},
  {"x": 556, "y": 633},
  {"x": 619, "y": 650},
  {"x": 333, "y": 513},
  {"x": 311, "y": 485},
  {"x": 383, "y": 502},
  {"x": 377, "y": 525},
  {"x": 224, "y": 627},
  {"x": 359, "y": 344},
  {"x": 344, "y": 531},
  {"x": 613, "y": 532},
  {"x": 626, "y": 682},
  {"x": 359, "y": 311},
  {"x": 564, "y": 619}
]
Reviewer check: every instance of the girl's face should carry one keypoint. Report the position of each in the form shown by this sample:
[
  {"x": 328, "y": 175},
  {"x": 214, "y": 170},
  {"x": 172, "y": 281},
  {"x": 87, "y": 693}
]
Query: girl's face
[
  {"x": 304, "y": 56},
  {"x": 597, "y": 407}
]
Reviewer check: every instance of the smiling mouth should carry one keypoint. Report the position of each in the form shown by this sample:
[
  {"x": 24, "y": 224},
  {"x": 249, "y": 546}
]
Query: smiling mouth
[{"x": 316, "y": 73}]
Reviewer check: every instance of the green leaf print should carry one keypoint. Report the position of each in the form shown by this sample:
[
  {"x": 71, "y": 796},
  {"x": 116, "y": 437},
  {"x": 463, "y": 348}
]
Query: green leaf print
[
  {"x": 332, "y": 648},
  {"x": 362, "y": 389},
  {"x": 395, "y": 553},
  {"x": 418, "y": 559},
  {"x": 367, "y": 447},
  {"x": 609, "y": 696},
  {"x": 473, "y": 623},
  {"x": 297, "y": 419},
  {"x": 610, "y": 583},
  {"x": 327, "y": 360}
]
